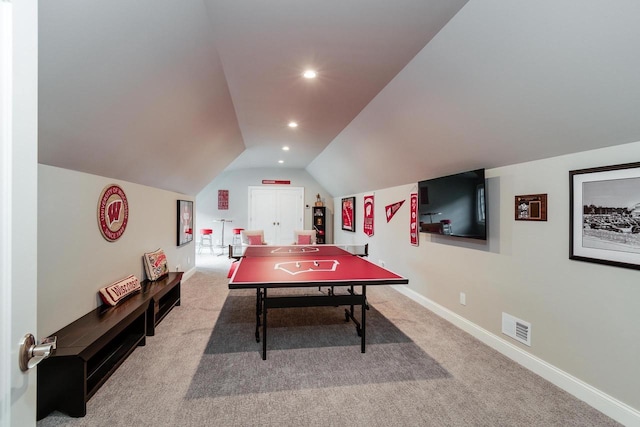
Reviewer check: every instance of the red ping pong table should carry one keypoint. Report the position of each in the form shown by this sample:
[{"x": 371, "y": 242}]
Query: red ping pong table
[{"x": 266, "y": 267}]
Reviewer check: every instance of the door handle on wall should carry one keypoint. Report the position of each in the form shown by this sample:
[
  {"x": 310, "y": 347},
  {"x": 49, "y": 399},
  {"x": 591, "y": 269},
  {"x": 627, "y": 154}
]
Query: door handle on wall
[{"x": 31, "y": 354}]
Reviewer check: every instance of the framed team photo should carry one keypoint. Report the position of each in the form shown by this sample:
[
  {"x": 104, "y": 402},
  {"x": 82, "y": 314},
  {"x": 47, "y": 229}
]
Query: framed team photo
[
  {"x": 531, "y": 207},
  {"x": 185, "y": 222},
  {"x": 348, "y": 214},
  {"x": 605, "y": 215}
]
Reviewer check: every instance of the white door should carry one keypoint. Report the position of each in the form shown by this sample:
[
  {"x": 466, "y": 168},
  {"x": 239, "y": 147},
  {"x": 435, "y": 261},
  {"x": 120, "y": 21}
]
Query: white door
[
  {"x": 277, "y": 211},
  {"x": 290, "y": 214},
  {"x": 18, "y": 205},
  {"x": 263, "y": 212}
]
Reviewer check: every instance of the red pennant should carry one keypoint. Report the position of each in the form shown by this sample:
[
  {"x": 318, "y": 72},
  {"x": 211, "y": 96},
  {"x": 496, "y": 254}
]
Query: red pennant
[{"x": 390, "y": 210}]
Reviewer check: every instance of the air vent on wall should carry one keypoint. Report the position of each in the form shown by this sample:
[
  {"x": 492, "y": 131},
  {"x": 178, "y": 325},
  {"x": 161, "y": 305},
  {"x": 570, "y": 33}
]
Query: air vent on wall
[{"x": 517, "y": 329}]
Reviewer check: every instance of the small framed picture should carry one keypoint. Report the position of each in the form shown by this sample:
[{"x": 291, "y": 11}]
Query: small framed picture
[
  {"x": 604, "y": 224},
  {"x": 185, "y": 222},
  {"x": 531, "y": 207},
  {"x": 348, "y": 214}
]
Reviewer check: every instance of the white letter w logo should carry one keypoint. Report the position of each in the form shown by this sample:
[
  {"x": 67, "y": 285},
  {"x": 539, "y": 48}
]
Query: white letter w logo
[{"x": 113, "y": 212}]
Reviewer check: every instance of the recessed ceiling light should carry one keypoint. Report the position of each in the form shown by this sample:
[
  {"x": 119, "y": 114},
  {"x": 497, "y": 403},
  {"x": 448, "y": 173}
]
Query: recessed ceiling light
[
  {"x": 285, "y": 148},
  {"x": 280, "y": 161},
  {"x": 293, "y": 125},
  {"x": 309, "y": 74}
]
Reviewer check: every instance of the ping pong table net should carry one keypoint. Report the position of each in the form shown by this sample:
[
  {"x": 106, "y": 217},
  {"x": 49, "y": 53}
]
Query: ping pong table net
[{"x": 306, "y": 250}]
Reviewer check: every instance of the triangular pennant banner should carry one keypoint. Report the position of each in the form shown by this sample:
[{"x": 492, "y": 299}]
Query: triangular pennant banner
[{"x": 390, "y": 210}]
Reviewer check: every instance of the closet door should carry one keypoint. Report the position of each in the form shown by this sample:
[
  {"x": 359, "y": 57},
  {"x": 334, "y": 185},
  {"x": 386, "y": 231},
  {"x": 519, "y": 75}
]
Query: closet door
[
  {"x": 278, "y": 211},
  {"x": 263, "y": 211},
  {"x": 290, "y": 214}
]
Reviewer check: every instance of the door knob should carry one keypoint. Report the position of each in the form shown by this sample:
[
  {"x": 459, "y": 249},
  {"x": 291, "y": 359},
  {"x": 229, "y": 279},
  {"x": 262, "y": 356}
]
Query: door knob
[{"x": 31, "y": 354}]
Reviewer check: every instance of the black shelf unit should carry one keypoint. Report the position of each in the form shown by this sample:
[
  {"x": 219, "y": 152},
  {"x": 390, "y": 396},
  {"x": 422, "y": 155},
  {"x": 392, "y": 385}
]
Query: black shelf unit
[
  {"x": 110, "y": 357},
  {"x": 92, "y": 347},
  {"x": 89, "y": 351},
  {"x": 164, "y": 294},
  {"x": 320, "y": 224}
]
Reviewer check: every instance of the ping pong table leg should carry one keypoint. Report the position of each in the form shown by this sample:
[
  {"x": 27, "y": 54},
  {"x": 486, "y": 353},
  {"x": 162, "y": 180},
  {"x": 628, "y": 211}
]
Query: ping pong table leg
[
  {"x": 264, "y": 325},
  {"x": 364, "y": 320},
  {"x": 349, "y": 313},
  {"x": 258, "y": 312},
  {"x": 352, "y": 293}
]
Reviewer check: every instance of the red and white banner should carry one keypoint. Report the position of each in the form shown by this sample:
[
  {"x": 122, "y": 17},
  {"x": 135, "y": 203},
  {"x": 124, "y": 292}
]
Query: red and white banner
[
  {"x": 223, "y": 200},
  {"x": 413, "y": 221},
  {"x": 277, "y": 181},
  {"x": 390, "y": 210},
  {"x": 368, "y": 215}
]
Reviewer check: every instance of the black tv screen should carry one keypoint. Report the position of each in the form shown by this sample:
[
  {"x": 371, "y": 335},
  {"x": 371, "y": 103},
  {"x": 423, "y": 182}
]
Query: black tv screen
[{"x": 454, "y": 205}]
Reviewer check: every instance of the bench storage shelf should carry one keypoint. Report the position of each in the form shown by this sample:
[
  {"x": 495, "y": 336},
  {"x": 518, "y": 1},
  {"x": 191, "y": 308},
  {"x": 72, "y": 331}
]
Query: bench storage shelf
[
  {"x": 91, "y": 348},
  {"x": 164, "y": 295}
]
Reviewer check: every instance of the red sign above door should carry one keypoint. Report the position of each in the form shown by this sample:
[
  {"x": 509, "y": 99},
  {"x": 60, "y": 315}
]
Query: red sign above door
[{"x": 276, "y": 181}]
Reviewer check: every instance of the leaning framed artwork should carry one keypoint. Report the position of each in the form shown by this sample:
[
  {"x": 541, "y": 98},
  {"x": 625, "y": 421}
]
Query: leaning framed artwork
[
  {"x": 185, "y": 222},
  {"x": 348, "y": 214},
  {"x": 605, "y": 215}
]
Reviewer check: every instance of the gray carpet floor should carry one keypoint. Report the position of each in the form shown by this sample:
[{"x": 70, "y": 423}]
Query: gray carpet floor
[{"x": 204, "y": 368}]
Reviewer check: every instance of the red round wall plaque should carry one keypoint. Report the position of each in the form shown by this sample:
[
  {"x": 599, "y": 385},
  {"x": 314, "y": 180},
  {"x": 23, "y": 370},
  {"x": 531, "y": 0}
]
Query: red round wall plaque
[{"x": 113, "y": 212}]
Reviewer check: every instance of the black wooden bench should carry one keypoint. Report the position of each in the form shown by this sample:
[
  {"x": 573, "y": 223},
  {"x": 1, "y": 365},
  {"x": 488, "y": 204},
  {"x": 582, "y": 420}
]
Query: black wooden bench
[{"x": 91, "y": 348}]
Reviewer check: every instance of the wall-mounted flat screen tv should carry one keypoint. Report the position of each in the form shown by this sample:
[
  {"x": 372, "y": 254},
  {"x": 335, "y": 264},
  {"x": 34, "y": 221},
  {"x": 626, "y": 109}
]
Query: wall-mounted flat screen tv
[{"x": 454, "y": 205}]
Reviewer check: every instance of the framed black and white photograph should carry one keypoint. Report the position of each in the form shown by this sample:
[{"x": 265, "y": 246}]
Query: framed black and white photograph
[
  {"x": 605, "y": 215},
  {"x": 185, "y": 222}
]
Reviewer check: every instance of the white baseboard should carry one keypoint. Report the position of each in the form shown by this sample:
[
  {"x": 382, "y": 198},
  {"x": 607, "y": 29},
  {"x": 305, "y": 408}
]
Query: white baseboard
[
  {"x": 601, "y": 401},
  {"x": 188, "y": 273}
]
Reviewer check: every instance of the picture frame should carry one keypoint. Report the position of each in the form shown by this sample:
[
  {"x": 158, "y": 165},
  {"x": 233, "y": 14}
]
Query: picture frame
[
  {"x": 348, "y": 214},
  {"x": 605, "y": 215},
  {"x": 223, "y": 200},
  {"x": 185, "y": 222},
  {"x": 531, "y": 207}
]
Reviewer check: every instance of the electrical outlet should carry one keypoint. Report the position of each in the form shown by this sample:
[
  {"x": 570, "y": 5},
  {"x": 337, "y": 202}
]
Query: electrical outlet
[{"x": 463, "y": 298}]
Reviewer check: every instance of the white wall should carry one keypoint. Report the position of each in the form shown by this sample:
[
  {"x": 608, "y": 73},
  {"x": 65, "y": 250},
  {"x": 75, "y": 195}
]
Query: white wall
[
  {"x": 584, "y": 316},
  {"x": 74, "y": 260},
  {"x": 237, "y": 182}
]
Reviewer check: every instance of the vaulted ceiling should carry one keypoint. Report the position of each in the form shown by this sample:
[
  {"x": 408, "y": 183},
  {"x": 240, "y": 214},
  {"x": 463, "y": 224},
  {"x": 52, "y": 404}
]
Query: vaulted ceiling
[{"x": 172, "y": 93}]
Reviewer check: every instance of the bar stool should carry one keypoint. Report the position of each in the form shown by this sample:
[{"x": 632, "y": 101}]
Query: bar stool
[
  {"x": 237, "y": 239},
  {"x": 206, "y": 239}
]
